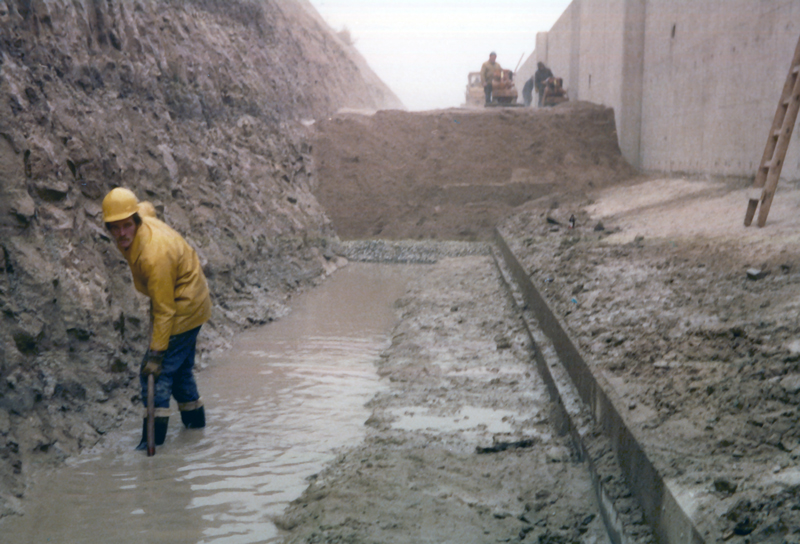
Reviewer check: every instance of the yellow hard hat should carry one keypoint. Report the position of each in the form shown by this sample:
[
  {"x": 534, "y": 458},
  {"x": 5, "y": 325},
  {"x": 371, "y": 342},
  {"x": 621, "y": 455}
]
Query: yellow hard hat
[
  {"x": 119, "y": 204},
  {"x": 146, "y": 209}
]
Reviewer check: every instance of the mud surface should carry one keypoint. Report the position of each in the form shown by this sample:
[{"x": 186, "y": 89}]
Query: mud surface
[
  {"x": 692, "y": 319},
  {"x": 460, "y": 445},
  {"x": 195, "y": 106},
  {"x": 453, "y": 174},
  {"x": 279, "y": 404}
]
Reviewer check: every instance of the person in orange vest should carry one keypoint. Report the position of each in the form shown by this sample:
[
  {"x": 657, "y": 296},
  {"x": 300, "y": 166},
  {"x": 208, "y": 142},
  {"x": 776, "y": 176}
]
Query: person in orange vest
[{"x": 167, "y": 270}]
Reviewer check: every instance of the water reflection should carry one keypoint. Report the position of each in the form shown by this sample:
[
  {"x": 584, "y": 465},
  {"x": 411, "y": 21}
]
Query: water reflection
[{"x": 279, "y": 404}]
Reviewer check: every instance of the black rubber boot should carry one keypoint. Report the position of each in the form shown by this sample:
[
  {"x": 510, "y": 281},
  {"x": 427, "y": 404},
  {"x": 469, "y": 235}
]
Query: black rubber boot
[
  {"x": 161, "y": 429},
  {"x": 161, "y": 424},
  {"x": 194, "y": 419},
  {"x": 143, "y": 444}
]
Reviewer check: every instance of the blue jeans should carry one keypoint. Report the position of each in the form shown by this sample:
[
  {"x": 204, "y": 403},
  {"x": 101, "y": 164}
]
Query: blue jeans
[{"x": 176, "y": 377}]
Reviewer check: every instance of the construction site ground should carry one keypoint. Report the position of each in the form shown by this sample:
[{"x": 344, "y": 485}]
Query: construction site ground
[{"x": 690, "y": 318}]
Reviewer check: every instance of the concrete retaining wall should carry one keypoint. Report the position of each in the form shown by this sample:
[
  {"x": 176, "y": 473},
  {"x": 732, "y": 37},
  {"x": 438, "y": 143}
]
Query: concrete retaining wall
[{"x": 694, "y": 84}]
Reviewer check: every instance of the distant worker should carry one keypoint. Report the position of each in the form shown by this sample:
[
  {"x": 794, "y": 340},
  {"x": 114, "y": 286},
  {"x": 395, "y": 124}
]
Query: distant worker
[
  {"x": 167, "y": 270},
  {"x": 489, "y": 70},
  {"x": 527, "y": 92},
  {"x": 542, "y": 75}
]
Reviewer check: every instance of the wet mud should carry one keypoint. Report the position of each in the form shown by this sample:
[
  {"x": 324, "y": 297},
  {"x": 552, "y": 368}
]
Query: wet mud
[
  {"x": 461, "y": 445},
  {"x": 279, "y": 403}
]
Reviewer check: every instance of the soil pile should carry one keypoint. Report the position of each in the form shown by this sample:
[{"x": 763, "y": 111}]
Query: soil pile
[
  {"x": 452, "y": 174},
  {"x": 196, "y": 106}
]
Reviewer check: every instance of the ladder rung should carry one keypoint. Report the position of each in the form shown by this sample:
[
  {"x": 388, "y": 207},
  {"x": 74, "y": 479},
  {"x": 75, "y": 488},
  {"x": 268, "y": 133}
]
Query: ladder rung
[{"x": 795, "y": 69}]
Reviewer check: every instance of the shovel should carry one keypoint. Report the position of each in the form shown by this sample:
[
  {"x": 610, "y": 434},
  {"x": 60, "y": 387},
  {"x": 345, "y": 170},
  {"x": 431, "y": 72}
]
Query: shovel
[{"x": 151, "y": 416}]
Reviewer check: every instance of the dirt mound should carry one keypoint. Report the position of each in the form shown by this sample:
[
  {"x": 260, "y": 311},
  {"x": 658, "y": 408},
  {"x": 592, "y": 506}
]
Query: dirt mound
[{"x": 451, "y": 174}]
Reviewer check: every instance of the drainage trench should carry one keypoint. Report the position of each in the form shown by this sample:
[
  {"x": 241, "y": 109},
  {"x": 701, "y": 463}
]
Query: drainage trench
[
  {"x": 460, "y": 406},
  {"x": 279, "y": 404}
]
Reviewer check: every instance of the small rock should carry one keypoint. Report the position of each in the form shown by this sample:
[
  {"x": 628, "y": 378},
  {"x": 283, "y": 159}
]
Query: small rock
[
  {"x": 755, "y": 274},
  {"x": 791, "y": 384},
  {"x": 552, "y": 221},
  {"x": 5, "y": 422},
  {"x": 599, "y": 227},
  {"x": 502, "y": 342},
  {"x": 725, "y": 486}
]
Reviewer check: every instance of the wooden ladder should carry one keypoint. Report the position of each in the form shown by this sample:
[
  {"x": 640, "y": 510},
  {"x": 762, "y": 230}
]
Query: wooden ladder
[{"x": 769, "y": 172}]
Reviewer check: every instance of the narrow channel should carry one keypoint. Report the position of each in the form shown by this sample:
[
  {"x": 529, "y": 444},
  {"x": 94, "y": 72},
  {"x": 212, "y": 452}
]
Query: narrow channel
[{"x": 279, "y": 403}]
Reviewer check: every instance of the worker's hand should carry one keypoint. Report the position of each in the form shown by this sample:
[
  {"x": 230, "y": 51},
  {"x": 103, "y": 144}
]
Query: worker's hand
[{"x": 152, "y": 363}]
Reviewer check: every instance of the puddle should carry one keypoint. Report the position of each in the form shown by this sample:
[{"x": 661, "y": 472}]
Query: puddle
[
  {"x": 278, "y": 405},
  {"x": 467, "y": 418}
]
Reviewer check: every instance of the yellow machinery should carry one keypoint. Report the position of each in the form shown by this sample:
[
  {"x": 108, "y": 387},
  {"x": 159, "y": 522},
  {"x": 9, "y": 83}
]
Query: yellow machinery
[{"x": 504, "y": 92}]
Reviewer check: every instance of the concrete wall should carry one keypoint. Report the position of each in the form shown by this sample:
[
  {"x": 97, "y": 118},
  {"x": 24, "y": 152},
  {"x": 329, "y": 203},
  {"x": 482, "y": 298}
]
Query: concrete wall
[
  {"x": 694, "y": 83},
  {"x": 714, "y": 71}
]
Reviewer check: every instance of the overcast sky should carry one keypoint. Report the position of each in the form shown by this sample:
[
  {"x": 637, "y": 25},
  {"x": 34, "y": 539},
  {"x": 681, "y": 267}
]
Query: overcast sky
[{"x": 424, "y": 49}]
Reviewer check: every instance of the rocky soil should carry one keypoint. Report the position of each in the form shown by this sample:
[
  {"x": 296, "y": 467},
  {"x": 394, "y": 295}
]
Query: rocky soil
[
  {"x": 197, "y": 107},
  {"x": 460, "y": 446},
  {"x": 692, "y": 320}
]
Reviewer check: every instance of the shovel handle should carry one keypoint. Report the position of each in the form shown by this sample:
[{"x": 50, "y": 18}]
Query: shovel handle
[{"x": 151, "y": 416}]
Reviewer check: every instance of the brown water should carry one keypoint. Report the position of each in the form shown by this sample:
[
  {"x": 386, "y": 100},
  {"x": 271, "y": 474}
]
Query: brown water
[{"x": 279, "y": 404}]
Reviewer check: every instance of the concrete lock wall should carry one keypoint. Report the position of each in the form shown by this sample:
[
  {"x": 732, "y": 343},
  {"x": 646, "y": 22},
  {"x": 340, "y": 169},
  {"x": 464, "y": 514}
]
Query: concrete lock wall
[{"x": 694, "y": 83}]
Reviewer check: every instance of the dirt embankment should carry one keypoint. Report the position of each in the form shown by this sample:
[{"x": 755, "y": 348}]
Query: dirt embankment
[
  {"x": 196, "y": 107},
  {"x": 453, "y": 174},
  {"x": 692, "y": 320}
]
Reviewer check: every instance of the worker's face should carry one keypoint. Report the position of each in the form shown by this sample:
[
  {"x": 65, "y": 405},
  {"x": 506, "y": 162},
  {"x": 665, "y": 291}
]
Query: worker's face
[
  {"x": 492, "y": 57},
  {"x": 123, "y": 232}
]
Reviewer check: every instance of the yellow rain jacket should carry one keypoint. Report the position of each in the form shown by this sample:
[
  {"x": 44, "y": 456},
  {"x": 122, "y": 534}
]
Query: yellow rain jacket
[{"x": 166, "y": 269}]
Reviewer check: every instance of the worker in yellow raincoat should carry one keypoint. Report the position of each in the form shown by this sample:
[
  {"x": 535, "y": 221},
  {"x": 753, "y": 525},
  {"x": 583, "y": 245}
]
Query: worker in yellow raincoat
[{"x": 167, "y": 270}]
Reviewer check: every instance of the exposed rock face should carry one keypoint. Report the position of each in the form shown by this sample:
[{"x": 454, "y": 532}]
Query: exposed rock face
[{"x": 194, "y": 105}]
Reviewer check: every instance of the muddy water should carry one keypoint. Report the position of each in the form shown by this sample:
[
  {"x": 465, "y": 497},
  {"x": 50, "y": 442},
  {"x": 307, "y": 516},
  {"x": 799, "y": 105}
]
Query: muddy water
[{"x": 279, "y": 404}]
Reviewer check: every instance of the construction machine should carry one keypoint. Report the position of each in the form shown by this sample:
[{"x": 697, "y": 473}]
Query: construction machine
[
  {"x": 504, "y": 92},
  {"x": 474, "y": 95}
]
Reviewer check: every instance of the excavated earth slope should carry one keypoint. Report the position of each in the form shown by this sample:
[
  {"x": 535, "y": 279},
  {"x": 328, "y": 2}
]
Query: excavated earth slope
[
  {"x": 452, "y": 174},
  {"x": 196, "y": 106},
  {"x": 691, "y": 320}
]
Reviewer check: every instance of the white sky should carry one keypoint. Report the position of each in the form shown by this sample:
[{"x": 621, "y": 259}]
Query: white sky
[{"x": 424, "y": 49}]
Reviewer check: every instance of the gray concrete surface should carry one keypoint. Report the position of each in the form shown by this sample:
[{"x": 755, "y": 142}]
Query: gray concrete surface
[{"x": 694, "y": 84}]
